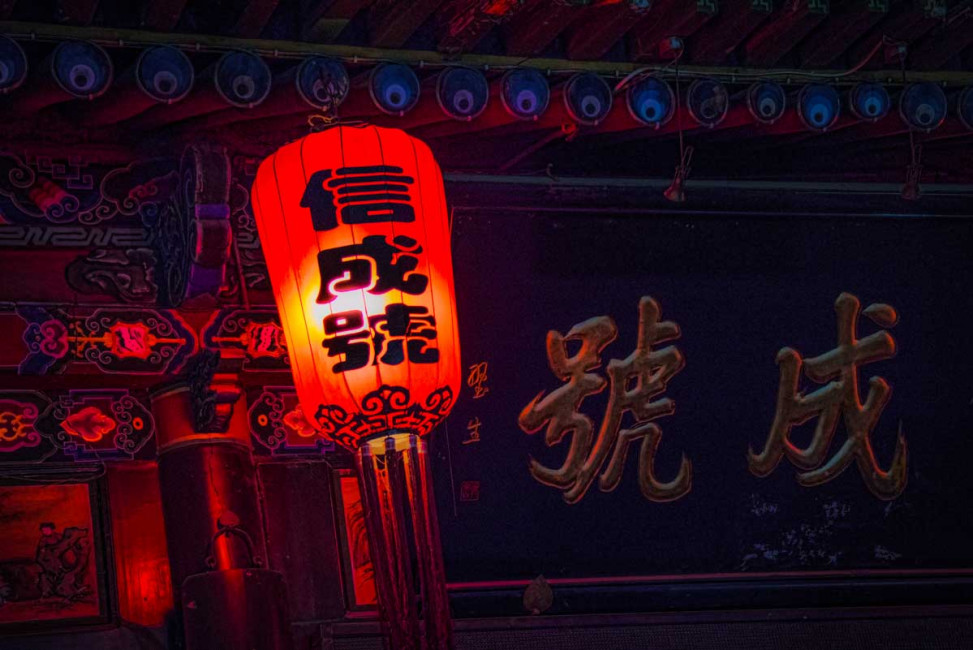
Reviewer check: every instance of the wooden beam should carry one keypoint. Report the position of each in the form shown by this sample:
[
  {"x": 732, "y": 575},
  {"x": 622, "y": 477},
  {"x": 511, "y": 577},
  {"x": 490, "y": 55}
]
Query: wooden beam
[
  {"x": 76, "y": 12},
  {"x": 281, "y": 49},
  {"x": 254, "y": 18},
  {"x": 716, "y": 40},
  {"x": 531, "y": 31},
  {"x": 598, "y": 29},
  {"x": 392, "y": 22},
  {"x": 162, "y": 15},
  {"x": 787, "y": 26},
  {"x": 666, "y": 18},
  {"x": 847, "y": 23}
]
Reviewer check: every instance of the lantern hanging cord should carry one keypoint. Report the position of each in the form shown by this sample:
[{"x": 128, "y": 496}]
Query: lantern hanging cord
[
  {"x": 329, "y": 111},
  {"x": 682, "y": 150},
  {"x": 318, "y": 122},
  {"x": 913, "y": 171}
]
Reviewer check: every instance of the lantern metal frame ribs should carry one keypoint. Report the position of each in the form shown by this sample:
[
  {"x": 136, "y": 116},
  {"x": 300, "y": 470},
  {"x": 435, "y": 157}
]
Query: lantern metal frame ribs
[{"x": 394, "y": 479}]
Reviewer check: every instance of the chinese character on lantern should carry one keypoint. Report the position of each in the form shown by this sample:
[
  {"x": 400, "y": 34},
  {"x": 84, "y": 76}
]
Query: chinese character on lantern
[
  {"x": 369, "y": 194},
  {"x": 633, "y": 384},
  {"x": 839, "y": 399}
]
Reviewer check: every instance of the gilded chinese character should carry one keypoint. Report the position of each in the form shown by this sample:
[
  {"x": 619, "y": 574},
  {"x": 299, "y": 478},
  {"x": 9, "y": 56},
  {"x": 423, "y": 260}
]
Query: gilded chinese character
[
  {"x": 634, "y": 383},
  {"x": 838, "y": 399}
]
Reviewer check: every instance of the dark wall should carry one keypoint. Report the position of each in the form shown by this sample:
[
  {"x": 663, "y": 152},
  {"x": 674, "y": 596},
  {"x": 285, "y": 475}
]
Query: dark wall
[{"x": 302, "y": 536}]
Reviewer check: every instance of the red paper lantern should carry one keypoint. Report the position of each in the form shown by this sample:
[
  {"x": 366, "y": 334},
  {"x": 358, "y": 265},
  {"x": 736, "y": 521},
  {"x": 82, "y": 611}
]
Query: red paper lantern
[{"x": 354, "y": 228}]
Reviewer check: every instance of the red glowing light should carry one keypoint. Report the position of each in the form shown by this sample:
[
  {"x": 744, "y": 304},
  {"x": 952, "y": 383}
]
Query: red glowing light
[{"x": 355, "y": 231}]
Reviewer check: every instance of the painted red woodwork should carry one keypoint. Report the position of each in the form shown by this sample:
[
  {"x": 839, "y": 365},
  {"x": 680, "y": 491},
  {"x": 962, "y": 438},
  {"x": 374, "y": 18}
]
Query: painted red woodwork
[
  {"x": 139, "y": 539},
  {"x": 362, "y": 569},
  {"x": 89, "y": 423},
  {"x": 355, "y": 231}
]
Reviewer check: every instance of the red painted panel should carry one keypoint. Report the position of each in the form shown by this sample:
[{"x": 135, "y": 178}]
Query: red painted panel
[
  {"x": 363, "y": 573},
  {"x": 141, "y": 557}
]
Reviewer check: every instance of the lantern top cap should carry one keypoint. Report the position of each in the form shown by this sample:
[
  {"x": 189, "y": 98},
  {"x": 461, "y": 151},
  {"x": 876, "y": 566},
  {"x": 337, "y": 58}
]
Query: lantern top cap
[{"x": 331, "y": 131}]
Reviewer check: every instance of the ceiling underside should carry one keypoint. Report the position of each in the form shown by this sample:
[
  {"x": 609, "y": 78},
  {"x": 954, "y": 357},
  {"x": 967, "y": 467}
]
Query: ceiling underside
[{"x": 730, "y": 38}]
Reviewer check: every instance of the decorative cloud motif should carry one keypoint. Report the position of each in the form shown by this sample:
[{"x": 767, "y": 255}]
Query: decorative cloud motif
[{"x": 89, "y": 424}]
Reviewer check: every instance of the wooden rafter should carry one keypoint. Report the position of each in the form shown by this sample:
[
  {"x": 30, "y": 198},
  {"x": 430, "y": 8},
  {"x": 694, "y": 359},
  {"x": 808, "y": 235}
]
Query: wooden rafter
[
  {"x": 76, "y": 12},
  {"x": 943, "y": 43},
  {"x": 906, "y": 26},
  {"x": 162, "y": 15},
  {"x": 466, "y": 22},
  {"x": 716, "y": 40},
  {"x": 599, "y": 28},
  {"x": 327, "y": 19},
  {"x": 532, "y": 30},
  {"x": 254, "y": 17},
  {"x": 392, "y": 22},
  {"x": 847, "y": 23},
  {"x": 666, "y": 18},
  {"x": 787, "y": 26}
]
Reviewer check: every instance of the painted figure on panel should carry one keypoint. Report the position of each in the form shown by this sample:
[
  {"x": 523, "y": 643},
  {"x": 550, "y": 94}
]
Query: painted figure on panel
[
  {"x": 63, "y": 558},
  {"x": 46, "y": 571}
]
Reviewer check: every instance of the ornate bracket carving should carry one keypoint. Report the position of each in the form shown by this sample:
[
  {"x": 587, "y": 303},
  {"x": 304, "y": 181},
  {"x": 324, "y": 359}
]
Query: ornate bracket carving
[
  {"x": 195, "y": 235},
  {"x": 213, "y": 394}
]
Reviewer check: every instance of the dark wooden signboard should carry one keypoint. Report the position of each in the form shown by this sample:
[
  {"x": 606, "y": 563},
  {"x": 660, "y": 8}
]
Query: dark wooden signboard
[{"x": 870, "y": 317}]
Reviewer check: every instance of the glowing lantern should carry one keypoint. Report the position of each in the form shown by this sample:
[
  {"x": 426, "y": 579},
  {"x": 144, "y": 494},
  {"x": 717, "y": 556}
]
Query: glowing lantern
[
  {"x": 355, "y": 231},
  {"x": 354, "y": 228}
]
